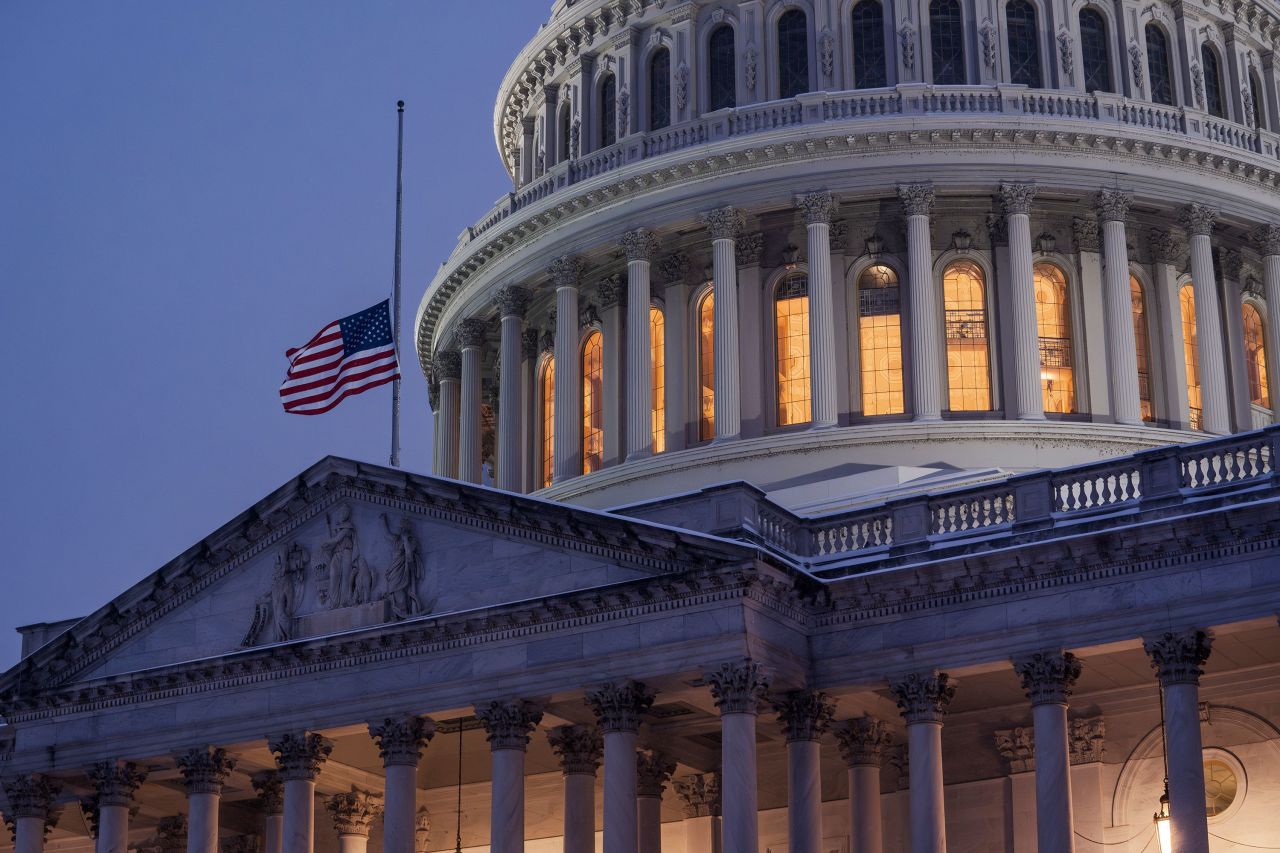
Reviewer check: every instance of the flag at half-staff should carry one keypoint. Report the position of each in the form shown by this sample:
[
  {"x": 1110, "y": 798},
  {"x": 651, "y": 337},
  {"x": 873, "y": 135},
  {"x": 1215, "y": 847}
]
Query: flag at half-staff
[{"x": 346, "y": 357}]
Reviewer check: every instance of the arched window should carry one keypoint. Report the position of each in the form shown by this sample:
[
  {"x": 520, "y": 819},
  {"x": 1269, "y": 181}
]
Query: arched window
[
  {"x": 548, "y": 421},
  {"x": 1053, "y": 325},
  {"x": 1095, "y": 51},
  {"x": 722, "y": 71},
  {"x": 964, "y": 302},
  {"x": 791, "y": 339},
  {"x": 1024, "y": 43},
  {"x": 707, "y": 367},
  {"x": 869, "y": 65},
  {"x": 658, "y": 363},
  {"x": 880, "y": 341},
  {"x": 1158, "y": 68},
  {"x": 1212, "y": 81},
  {"x": 946, "y": 42},
  {"x": 660, "y": 89},
  {"x": 593, "y": 403},
  {"x": 1255, "y": 93},
  {"x": 1255, "y": 356},
  {"x": 1191, "y": 353},
  {"x": 566, "y": 132},
  {"x": 608, "y": 111},
  {"x": 1142, "y": 345},
  {"x": 793, "y": 54}
]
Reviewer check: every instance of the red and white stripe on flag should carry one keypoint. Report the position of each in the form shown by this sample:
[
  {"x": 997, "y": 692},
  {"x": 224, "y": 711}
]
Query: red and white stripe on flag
[{"x": 346, "y": 357}]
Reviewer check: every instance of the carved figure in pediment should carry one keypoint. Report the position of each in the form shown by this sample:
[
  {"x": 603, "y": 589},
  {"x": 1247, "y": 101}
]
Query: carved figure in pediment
[
  {"x": 350, "y": 580},
  {"x": 405, "y": 570},
  {"x": 286, "y": 589}
]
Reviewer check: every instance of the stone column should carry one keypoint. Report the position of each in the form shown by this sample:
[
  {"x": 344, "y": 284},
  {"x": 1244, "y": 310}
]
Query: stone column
[
  {"x": 702, "y": 823},
  {"x": 674, "y": 270},
  {"x": 1048, "y": 678},
  {"x": 579, "y": 749},
  {"x": 551, "y": 124},
  {"x": 724, "y": 225},
  {"x": 352, "y": 813},
  {"x": 471, "y": 334},
  {"x": 204, "y": 771},
  {"x": 620, "y": 707},
  {"x": 508, "y": 724},
  {"x": 448, "y": 369},
  {"x": 529, "y": 391},
  {"x": 299, "y": 756},
  {"x": 862, "y": 742},
  {"x": 114, "y": 784},
  {"x": 1199, "y": 222},
  {"x": 1167, "y": 253},
  {"x": 738, "y": 688},
  {"x": 924, "y": 305},
  {"x": 171, "y": 834},
  {"x": 271, "y": 795},
  {"x": 640, "y": 246},
  {"x": 1267, "y": 240},
  {"x": 527, "y": 154},
  {"x": 817, "y": 208},
  {"x": 805, "y": 716},
  {"x": 566, "y": 272},
  {"x": 1178, "y": 657},
  {"x": 1122, "y": 349},
  {"x": 611, "y": 293},
  {"x": 923, "y": 699},
  {"x": 400, "y": 741},
  {"x": 653, "y": 771},
  {"x": 33, "y": 810},
  {"x": 512, "y": 303},
  {"x": 1028, "y": 402}
]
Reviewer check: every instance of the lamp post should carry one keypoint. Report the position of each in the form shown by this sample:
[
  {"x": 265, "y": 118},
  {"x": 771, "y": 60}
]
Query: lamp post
[{"x": 1164, "y": 825}]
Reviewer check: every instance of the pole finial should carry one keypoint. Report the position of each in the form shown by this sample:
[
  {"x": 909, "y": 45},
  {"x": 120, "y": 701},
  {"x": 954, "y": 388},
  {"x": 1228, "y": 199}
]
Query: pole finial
[{"x": 400, "y": 106}]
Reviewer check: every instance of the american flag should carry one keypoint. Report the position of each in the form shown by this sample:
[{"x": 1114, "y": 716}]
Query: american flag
[{"x": 346, "y": 357}]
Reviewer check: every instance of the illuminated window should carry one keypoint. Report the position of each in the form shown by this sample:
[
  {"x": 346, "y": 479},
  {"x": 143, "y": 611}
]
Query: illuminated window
[
  {"x": 548, "y": 421},
  {"x": 608, "y": 111},
  {"x": 658, "y": 361},
  {"x": 791, "y": 338},
  {"x": 707, "y": 367},
  {"x": 793, "y": 54},
  {"x": 1053, "y": 325},
  {"x": 1255, "y": 356},
  {"x": 1142, "y": 345},
  {"x": 593, "y": 403},
  {"x": 968, "y": 359},
  {"x": 722, "y": 82},
  {"x": 1095, "y": 49},
  {"x": 880, "y": 341},
  {"x": 1190, "y": 352},
  {"x": 1220, "y": 787},
  {"x": 660, "y": 89},
  {"x": 869, "y": 65}
]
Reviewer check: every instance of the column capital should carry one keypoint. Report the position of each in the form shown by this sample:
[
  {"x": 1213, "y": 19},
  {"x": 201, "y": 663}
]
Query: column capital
[
  {"x": 862, "y": 740},
  {"x": 448, "y": 365},
  {"x": 300, "y": 754},
  {"x": 529, "y": 125},
  {"x": 1086, "y": 234},
  {"x": 700, "y": 793},
  {"x": 512, "y": 300},
  {"x": 816, "y": 207},
  {"x": 401, "y": 740},
  {"x": 640, "y": 244},
  {"x": 205, "y": 769},
  {"x": 551, "y": 91},
  {"x": 270, "y": 788},
  {"x": 611, "y": 291},
  {"x": 1112, "y": 205},
  {"x": 473, "y": 332},
  {"x": 115, "y": 782},
  {"x": 653, "y": 771},
  {"x": 566, "y": 271},
  {"x": 804, "y": 714},
  {"x": 924, "y": 697},
  {"x": 917, "y": 199},
  {"x": 1018, "y": 747},
  {"x": 620, "y": 706},
  {"x": 1048, "y": 677},
  {"x": 353, "y": 811},
  {"x": 1087, "y": 739},
  {"x": 1178, "y": 657},
  {"x": 529, "y": 343},
  {"x": 738, "y": 687},
  {"x": 1198, "y": 219},
  {"x": 1017, "y": 198},
  {"x": 748, "y": 249},
  {"x": 724, "y": 223},
  {"x": 33, "y": 795},
  {"x": 579, "y": 748},
  {"x": 1266, "y": 238},
  {"x": 509, "y": 722},
  {"x": 1232, "y": 264},
  {"x": 673, "y": 268},
  {"x": 1165, "y": 247}
]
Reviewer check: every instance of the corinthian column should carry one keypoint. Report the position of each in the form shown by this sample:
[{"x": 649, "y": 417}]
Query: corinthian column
[
  {"x": 114, "y": 784},
  {"x": 640, "y": 246},
  {"x": 738, "y": 689},
  {"x": 653, "y": 771},
  {"x": 352, "y": 813},
  {"x": 1199, "y": 222},
  {"x": 33, "y": 809},
  {"x": 1048, "y": 678},
  {"x": 471, "y": 334},
  {"x": 923, "y": 699},
  {"x": 1267, "y": 239},
  {"x": 862, "y": 741},
  {"x": 299, "y": 756},
  {"x": 579, "y": 749},
  {"x": 805, "y": 716},
  {"x": 512, "y": 302},
  {"x": 925, "y": 307},
  {"x": 817, "y": 209},
  {"x": 508, "y": 724},
  {"x": 1122, "y": 350},
  {"x": 204, "y": 771},
  {"x": 724, "y": 224},
  {"x": 400, "y": 741},
  {"x": 1028, "y": 399},
  {"x": 567, "y": 274},
  {"x": 700, "y": 794},
  {"x": 1178, "y": 657},
  {"x": 620, "y": 708},
  {"x": 271, "y": 795},
  {"x": 448, "y": 368}
]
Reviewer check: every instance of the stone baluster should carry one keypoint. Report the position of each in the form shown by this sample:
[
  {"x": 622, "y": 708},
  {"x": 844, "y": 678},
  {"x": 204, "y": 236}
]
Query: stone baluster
[
  {"x": 299, "y": 756},
  {"x": 738, "y": 689},
  {"x": 114, "y": 785},
  {"x": 640, "y": 246},
  {"x": 471, "y": 334},
  {"x": 1048, "y": 678},
  {"x": 352, "y": 813},
  {"x": 508, "y": 724},
  {"x": 400, "y": 741},
  {"x": 817, "y": 209},
  {"x": 204, "y": 771},
  {"x": 567, "y": 275},
  {"x": 1267, "y": 240},
  {"x": 653, "y": 771},
  {"x": 805, "y": 716},
  {"x": 923, "y": 699},
  {"x": 620, "y": 707},
  {"x": 1178, "y": 657},
  {"x": 33, "y": 810},
  {"x": 1028, "y": 402},
  {"x": 579, "y": 749},
  {"x": 512, "y": 301},
  {"x": 270, "y": 790},
  {"x": 1122, "y": 349},
  {"x": 724, "y": 224},
  {"x": 700, "y": 794},
  {"x": 862, "y": 742},
  {"x": 1199, "y": 222},
  {"x": 925, "y": 307},
  {"x": 448, "y": 369}
]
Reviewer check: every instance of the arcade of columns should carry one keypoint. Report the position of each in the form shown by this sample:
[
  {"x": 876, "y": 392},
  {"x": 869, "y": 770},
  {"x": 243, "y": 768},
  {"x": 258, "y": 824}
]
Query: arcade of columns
[
  {"x": 459, "y": 373},
  {"x": 634, "y": 779}
]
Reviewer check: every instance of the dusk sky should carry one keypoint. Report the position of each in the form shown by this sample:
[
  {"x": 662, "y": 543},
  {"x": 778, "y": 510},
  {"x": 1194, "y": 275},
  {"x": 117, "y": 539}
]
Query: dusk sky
[{"x": 186, "y": 190}]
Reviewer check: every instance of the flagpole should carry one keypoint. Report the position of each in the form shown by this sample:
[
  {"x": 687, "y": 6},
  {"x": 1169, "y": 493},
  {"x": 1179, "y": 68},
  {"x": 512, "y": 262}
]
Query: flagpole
[{"x": 395, "y": 386}]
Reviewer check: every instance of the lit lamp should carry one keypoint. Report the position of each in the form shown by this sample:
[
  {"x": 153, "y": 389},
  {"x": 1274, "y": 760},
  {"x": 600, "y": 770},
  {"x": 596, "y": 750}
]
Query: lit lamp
[{"x": 1163, "y": 821}]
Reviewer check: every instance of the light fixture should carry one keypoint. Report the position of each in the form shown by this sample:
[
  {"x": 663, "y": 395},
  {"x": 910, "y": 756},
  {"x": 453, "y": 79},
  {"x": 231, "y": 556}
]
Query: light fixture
[
  {"x": 961, "y": 241},
  {"x": 875, "y": 245},
  {"x": 790, "y": 256},
  {"x": 458, "y": 844},
  {"x": 1162, "y": 818},
  {"x": 1046, "y": 242}
]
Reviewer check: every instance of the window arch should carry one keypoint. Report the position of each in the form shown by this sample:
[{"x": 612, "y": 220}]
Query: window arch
[
  {"x": 964, "y": 300},
  {"x": 1191, "y": 353},
  {"x": 1159, "y": 70},
  {"x": 791, "y": 349},
  {"x": 1095, "y": 51},
  {"x": 1255, "y": 94},
  {"x": 1053, "y": 325},
  {"x": 593, "y": 403},
  {"x": 1212, "y": 81},
  {"x": 869, "y": 60},
  {"x": 547, "y": 397},
  {"x": 707, "y": 366},
  {"x": 793, "y": 53},
  {"x": 660, "y": 89},
  {"x": 1142, "y": 346},
  {"x": 608, "y": 111},
  {"x": 880, "y": 341},
  {"x": 658, "y": 364},
  {"x": 566, "y": 131},
  {"x": 1024, "y": 43},
  {"x": 1255, "y": 356},
  {"x": 722, "y": 70},
  {"x": 946, "y": 42}
]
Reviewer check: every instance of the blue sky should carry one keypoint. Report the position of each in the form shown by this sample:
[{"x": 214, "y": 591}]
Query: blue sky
[{"x": 186, "y": 190}]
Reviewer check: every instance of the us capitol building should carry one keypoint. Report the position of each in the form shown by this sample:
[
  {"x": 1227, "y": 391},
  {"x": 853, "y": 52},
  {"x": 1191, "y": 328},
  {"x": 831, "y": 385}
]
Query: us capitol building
[{"x": 853, "y": 435}]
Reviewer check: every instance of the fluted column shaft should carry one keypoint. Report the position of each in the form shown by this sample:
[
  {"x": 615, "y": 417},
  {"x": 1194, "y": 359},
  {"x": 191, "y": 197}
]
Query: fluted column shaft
[
  {"x": 512, "y": 302},
  {"x": 113, "y": 829},
  {"x": 469, "y": 432},
  {"x": 1122, "y": 350},
  {"x": 508, "y": 724},
  {"x": 640, "y": 246},
  {"x": 202, "y": 822},
  {"x": 273, "y": 833},
  {"x": 1199, "y": 222},
  {"x": 299, "y": 757},
  {"x": 205, "y": 771},
  {"x": 568, "y": 393},
  {"x": 817, "y": 209},
  {"x": 114, "y": 784},
  {"x": 449, "y": 365},
  {"x": 400, "y": 813},
  {"x": 867, "y": 835},
  {"x": 805, "y": 716},
  {"x": 1271, "y": 284},
  {"x": 621, "y": 831},
  {"x": 28, "y": 834},
  {"x": 925, "y": 307},
  {"x": 923, "y": 700},
  {"x": 1178, "y": 658},
  {"x": 728, "y": 403},
  {"x": 1048, "y": 678},
  {"x": 649, "y": 818},
  {"x": 579, "y": 813},
  {"x": 738, "y": 689},
  {"x": 1028, "y": 399}
]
